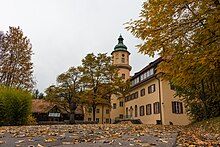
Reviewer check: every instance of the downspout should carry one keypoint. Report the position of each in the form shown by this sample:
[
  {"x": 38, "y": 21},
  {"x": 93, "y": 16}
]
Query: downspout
[{"x": 160, "y": 105}]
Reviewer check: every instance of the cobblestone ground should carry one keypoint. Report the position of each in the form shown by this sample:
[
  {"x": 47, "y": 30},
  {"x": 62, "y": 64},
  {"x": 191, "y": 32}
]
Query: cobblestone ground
[{"x": 88, "y": 135}]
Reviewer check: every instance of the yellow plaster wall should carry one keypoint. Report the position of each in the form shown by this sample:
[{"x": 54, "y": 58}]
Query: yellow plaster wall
[
  {"x": 143, "y": 101},
  {"x": 98, "y": 115},
  {"x": 167, "y": 98}
]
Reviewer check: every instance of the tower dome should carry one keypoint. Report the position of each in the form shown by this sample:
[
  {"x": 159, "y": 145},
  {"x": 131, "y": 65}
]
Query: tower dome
[{"x": 120, "y": 45}]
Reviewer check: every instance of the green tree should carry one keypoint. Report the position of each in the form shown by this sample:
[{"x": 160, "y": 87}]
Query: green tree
[
  {"x": 15, "y": 106},
  {"x": 97, "y": 72},
  {"x": 186, "y": 34},
  {"x": 16, "y": 68},
  {"x": 67, "y": 92}
]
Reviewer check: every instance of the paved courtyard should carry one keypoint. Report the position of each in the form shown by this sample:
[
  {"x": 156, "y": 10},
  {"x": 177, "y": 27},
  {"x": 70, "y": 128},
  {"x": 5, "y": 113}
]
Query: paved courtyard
[{"x": 88, "y": 135}]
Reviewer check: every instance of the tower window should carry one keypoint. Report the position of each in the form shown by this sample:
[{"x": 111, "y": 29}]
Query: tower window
[
  {"x": 114, "y": 106},
  {"x": 123, "y": 76},
  {"x": 122, "y": 60},
  {"x": 123, "y": 55},
  {"x": 107, "y": 111}
]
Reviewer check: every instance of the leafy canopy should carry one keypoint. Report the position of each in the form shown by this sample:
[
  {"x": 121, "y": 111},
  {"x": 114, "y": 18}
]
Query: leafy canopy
[
  {"x": 97, "y": 76},
  {"x": 16, "y": 68},
  {"x": 186, "y": 34}
]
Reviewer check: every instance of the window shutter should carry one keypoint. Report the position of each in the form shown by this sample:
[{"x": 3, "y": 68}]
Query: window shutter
[
  {"x": 155, "y": 108},
  {"x": 153, "y": 88},
  {"x": 173, "y": 107},
  {"x": 181, "y": 107}
]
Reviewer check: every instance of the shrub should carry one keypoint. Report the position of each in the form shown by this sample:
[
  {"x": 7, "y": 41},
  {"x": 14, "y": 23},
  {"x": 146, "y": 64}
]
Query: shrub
[
  {"x": 15, "y": 105},
  {"x": 31, "y": 120}
]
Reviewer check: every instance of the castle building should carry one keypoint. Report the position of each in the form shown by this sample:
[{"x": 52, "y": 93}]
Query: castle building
[{"x": 151, "y": 99}]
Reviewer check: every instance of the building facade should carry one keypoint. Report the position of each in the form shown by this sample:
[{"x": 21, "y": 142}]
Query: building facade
[
  {"x": 151, "y": 99},
  {"x": 102, "y": 115}
]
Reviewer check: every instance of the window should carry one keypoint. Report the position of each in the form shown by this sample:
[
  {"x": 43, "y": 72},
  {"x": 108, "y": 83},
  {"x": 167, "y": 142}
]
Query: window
[
  {"x": 129, "y": 98},
  {"x": 90, "y": 110},
  {"x": 126, "y": 98},
  {"x": 107, "y": 111},
  {"x": 143, "y": 92},
  {"x": 123, "y": 76},
  {"x": 107, "y": 120},
  {"x": 97, "y": 119},
  {"x": 121, "y": 116},
  {"x": 132, "y": 96},
  {"x": 151, "y": 71},
  {"x": 177, "y": 107},
  {"x": 89, "y": 119},
  {"x": 136, "y": 80},
  {"x": 123, "y": 55},
  {"x": 141, "y": 110},
  {"x": 132, "y": 82},
  {"x": 148, "y": 73},
  {"x": 127, "y": 112},
  {"x": 136, "y": 95},
  {"x": 114, "y": 105},
  {"x": 135, "y": 111},
  {"x": 148, "y": 109},
  {"x": 121, "y": 103},
  {"x": 54, "y": 114},
  {"x": 142, "y": 77},
  {"x": 145, "y": 75},
  {"x": 156, "y": 108},
  {"x": 122, "y": 60},
  {"x": 97, "y": 110},
  {"x": 151, "y": 88}
]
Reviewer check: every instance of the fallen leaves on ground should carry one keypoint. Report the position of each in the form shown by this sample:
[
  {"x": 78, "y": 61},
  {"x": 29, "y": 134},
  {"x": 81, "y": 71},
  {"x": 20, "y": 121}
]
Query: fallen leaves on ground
[
  {"x": 196, "y": 136},
  {"x": 111, "y": 134}
]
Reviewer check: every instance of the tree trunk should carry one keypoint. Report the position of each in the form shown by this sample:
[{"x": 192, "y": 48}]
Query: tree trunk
[
  {"x": 204, "y": 100},
  {"x": 72, "y": 112},
  {"x": 72, "y": 118}
]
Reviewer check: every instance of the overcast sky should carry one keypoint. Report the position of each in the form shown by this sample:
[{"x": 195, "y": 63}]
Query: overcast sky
[{"x": 63, "y": 32}]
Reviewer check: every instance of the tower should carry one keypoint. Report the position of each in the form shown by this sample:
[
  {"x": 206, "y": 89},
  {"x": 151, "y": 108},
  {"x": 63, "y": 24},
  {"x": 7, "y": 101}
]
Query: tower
[
  {"x": 121, "y": 59},
  {"x": 120, "y": 56}
]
